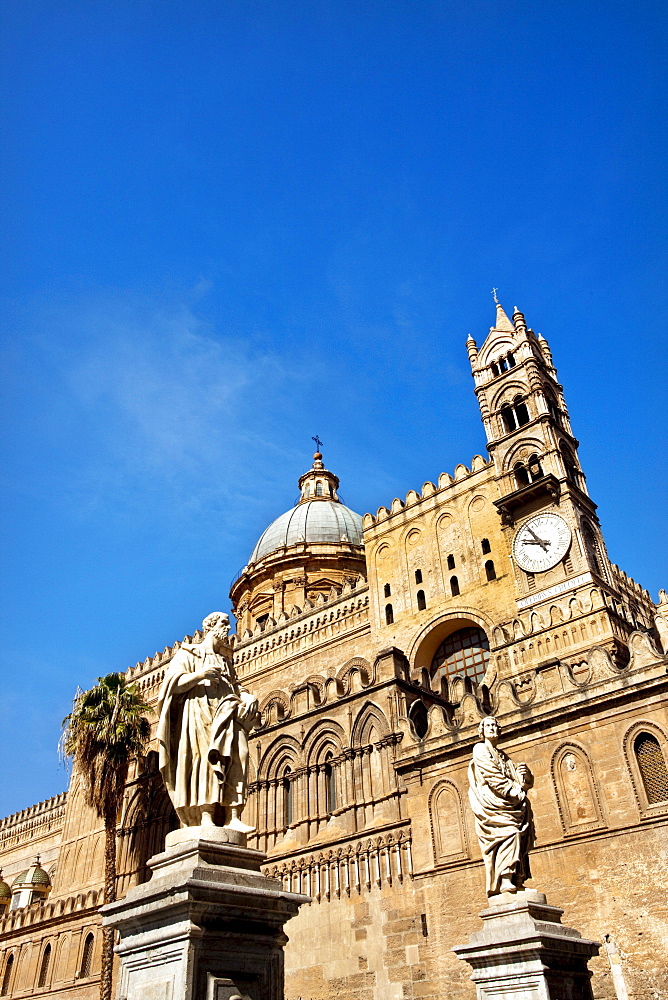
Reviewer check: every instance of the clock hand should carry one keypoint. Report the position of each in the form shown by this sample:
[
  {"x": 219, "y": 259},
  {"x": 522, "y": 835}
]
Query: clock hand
[
  {"x": 543, "y": 545},
  {"x": 538, "y": 541}
]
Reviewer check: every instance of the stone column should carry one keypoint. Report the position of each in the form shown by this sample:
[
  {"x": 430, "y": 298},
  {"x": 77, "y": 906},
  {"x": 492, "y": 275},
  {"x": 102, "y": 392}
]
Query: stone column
[
  {"x": 207, "y": 926},
  {"x": 523, "y": 950}
]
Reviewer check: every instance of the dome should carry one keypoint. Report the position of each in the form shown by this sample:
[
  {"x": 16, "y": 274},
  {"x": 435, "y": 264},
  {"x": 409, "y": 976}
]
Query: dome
[
  {"x": 33, "y": 876},
  {"x": 318, "y": 520},
  {"x": 5, "y": 891}
]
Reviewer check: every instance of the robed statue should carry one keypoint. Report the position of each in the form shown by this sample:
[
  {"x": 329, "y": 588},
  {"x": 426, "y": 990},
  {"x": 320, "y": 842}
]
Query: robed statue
[
  {"x": 205, "y": 719},
  {"x": 503, "y": 821}
]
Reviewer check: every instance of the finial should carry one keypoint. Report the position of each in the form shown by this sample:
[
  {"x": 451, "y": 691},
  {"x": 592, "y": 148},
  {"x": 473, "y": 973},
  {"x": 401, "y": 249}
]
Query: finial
[
  {"x": 318, "y": 446},
  {"x": 37, "y": 861},
  {"x": 494, "y": 291}
]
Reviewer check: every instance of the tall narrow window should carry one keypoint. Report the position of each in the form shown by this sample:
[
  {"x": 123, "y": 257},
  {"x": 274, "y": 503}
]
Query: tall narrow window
[
  {"x": 531, "y": 581},
  {"x": 495, "y": 369},
  {"x": 422, "y": 600},
  {"x": 286, "y": 786},
  {"x": 521, "y": 411},
  {"x": 485, "y": 546},
  {"x": 387, "y": 590},
  {"x": 420, "y": 719},
  {"x": 7, "y": 976},
  {"x": 330, "y": 786},
  {"x": 508, "y": 418},
  {"x": 521, "y": 475},
  {"x": 87, "y": 958},
  {"x": 454, "y": 586},
  {"x": 503, "y": 365},
  {"x": 451, "y": 561},
  {"x": 318, "y": 489},
  {"x": 44, "y": 966},
  {"x": 389, "y": 614},
  {"x": 511, "y": 360},
  {"x": 418, "y": 576},
  {"x": 652, "y": 767},
  {"x": 489, "y": 570}
]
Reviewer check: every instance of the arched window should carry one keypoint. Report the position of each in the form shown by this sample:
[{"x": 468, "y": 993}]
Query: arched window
[
  {"x": 454, "y": 586},
  {"x": 521, "y": 411},
  {"x": 554, "y": 410},
  {"x": 387, "y": 590},
  {"x": 511, "y": 361},
  {"x": 489, "y": 570},
  {"x": 521, "y": 475},
  {"x": 591, "y": 545},
  {"x": 535, "y": 468},
  {"x": 389, "y": 614},
  {"x": 508, "y": 417},
  {"x": 418, "y": 576},
  {"x": 485, "y": 546},
  {"x": 570, "y": 467},
  {"x": 7, "y": 976},
  {"x": 87, "y": 958},
  {"x": 466, "y": 652},
  {"x": 44, "y": 966},
  {"x": 451, "y": 561},
  {"x": 286, "y": 788},
  {"x": 495, "y": 369},
  {"x": 330, "y": 786},
  {"x": 652, "y": 767},
  {"x": 318, "y": 489},
  {"x": 503, "y": 364},
  {"x": 421, "y": 600},
  {"x": 419, "y": 718}
]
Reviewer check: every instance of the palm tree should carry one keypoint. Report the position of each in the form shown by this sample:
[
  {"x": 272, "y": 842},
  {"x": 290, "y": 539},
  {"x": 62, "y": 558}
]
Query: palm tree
[{"x": 104, "y": 731}]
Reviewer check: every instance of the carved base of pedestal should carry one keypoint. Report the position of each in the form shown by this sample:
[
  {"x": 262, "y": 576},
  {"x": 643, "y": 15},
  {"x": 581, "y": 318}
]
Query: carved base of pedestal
[
  {"x": 523, "y": 950},
  {"x": 208, "y": 924}
]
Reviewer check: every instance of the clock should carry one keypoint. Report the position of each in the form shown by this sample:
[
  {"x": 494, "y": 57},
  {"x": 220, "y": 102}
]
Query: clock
[{"x": 541, "y": 542}]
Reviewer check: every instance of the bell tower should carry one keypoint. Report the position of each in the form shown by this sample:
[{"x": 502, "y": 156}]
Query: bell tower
[{"x": 549, "y": 521}]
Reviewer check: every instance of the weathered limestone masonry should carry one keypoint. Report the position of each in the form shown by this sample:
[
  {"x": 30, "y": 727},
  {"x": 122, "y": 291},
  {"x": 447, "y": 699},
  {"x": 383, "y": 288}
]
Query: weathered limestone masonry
[{"x": 375, "y": 645}]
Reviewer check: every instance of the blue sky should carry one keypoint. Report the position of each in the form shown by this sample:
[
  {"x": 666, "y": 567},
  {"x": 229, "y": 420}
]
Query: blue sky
[{"x": 228, "y": 226}]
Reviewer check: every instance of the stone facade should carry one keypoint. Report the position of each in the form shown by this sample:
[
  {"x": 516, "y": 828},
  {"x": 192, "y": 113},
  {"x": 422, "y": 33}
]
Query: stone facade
[{"x": 373, "y": 666}]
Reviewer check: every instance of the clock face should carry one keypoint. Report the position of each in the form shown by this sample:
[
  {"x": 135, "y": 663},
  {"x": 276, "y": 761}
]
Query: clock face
[{"x": 541, "y": 542}]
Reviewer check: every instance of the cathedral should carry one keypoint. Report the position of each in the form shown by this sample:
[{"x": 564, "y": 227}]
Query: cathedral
[{"x": 375, "y": 645}]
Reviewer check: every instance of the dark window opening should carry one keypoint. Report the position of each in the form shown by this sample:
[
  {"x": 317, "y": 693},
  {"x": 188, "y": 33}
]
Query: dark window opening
[
  {"x": 418, "y": 576},
  {"x": 318, "y": 489},
  {"x": 521, "y": 411},
  {"x": 330, "y": 788},
  {"x": 652, "y": 767},
  {"x": 389, "y": 614},
  {"x": 591, "y": 546},
  {"x": 511, "y": 361},
  {"x": 521, "y": 475},
  {"x": 421, "y": 600},
  {"x": 451, "y": 561},
  {"x": 503, "y": 365},
  {"x": 495, "y": 370},
  {"x": 465, "y": 652},
  {"x": 387, "y": 590},
  {"x": 486, "y": 547},
  {"x": 286, "y": 785},
  {"x": 44, "y": 966},
  {"x": 489, "y": 570},
  {"x": 4, "y": 990},
  {"x": 262, "y": 619},
  {"x": 531, "y": 581},
  {"x": 508, "y": 418},
  {"x": 87, "y": 958},
  {"x": 420, "y": 719},
  {"x": 454, "y": 586}
]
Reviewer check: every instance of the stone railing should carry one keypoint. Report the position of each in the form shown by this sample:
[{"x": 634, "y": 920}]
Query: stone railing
[{"x": 350, "y": 869}]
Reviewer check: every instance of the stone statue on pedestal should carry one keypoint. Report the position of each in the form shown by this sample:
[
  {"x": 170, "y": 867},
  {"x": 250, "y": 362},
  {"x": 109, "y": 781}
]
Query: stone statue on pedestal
[
  {"x": 503, "y": 820},
  {"x": 205, "y": 719}
]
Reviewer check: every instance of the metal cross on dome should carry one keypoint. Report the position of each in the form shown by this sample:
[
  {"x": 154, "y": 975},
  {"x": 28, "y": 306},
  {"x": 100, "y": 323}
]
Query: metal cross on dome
[
  {"x": 318, "y": 442},
  {"x": 494, "y": 291}
]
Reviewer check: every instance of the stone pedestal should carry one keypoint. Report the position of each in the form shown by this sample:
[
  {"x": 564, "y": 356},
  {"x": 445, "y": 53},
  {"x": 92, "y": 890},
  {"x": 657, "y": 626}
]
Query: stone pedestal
[
  {"x": 207, "y": 926},
  {"x": 523, "y": 952}
]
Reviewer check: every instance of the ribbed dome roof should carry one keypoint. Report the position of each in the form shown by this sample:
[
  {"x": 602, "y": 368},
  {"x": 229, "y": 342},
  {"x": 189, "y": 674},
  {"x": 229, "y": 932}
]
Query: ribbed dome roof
[
  {"x": 311, "y": 521},
  {"x": 5, "y": 891},
  {"x": 35, "y": 875}
]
